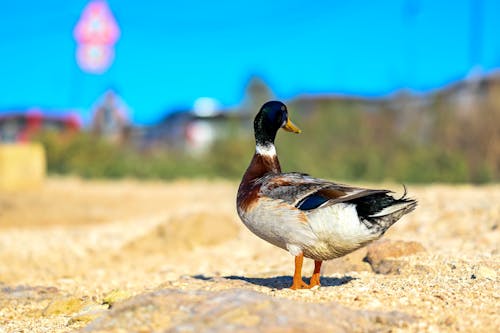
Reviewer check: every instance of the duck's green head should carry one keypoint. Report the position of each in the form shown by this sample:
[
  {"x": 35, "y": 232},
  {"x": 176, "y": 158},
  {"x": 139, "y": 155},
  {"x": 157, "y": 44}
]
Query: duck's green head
[{"x": 272, "y": 116}]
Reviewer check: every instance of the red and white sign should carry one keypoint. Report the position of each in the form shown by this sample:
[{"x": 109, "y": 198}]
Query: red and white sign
[
  {"x": 96, "y": 34},
  {"x": 95, "y": 58}
]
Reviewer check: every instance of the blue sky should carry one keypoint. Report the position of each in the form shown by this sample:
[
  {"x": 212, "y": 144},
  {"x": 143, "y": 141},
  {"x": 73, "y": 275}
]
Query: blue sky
[{"x": 172, "y": 52}]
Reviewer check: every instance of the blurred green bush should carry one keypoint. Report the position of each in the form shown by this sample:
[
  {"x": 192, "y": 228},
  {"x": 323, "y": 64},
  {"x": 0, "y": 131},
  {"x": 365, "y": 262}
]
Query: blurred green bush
[{"x": 342, "y": 140}]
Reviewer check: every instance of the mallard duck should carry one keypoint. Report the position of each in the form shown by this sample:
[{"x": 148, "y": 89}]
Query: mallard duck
[{"x": 308, "y": 217}]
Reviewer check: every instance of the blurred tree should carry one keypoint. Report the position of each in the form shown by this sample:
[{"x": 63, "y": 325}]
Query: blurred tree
[{"x": 411, "y": 139}]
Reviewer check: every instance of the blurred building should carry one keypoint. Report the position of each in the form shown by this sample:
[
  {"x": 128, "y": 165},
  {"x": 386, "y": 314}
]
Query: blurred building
[
  {"x": 21, "y": 125},
  {"x": 196, "y": 132},
  {"x": 110, "y": 118}
]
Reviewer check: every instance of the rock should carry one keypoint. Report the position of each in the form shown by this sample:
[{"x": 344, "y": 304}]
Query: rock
[
  {"x": 238, "y": 310},
  {"x": 449, "y": 320},
  {"x": 88, "y": 313},
  {"x": 383, "y": 249},
  {"x": 388, "y": 266},
  {"x": 83, "y": 318},
  {"x": 379, "y": 252},
  {"x": 484, "y": 272},
  {"x": 66, "y": 305},
  {"x": 115, "y": 295}
]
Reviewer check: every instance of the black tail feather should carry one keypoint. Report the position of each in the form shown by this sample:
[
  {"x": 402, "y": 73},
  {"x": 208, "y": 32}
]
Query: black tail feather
[{"x": 374, "y": 203}]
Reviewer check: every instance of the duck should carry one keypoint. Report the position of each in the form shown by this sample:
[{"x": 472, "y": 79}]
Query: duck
[{"x": 309, "y": 217}]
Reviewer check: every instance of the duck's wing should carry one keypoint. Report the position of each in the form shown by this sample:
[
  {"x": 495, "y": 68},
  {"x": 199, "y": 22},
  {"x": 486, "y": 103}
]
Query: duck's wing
[{"x": 307, "y": 193}]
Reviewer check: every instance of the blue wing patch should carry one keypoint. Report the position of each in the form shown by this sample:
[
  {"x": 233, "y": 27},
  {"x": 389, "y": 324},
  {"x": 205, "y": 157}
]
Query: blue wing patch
[{"x": 311, "y": 202}]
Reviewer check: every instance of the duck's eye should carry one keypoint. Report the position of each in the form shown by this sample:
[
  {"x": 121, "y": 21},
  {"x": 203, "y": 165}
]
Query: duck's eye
[{"x": 283, "y": 108}]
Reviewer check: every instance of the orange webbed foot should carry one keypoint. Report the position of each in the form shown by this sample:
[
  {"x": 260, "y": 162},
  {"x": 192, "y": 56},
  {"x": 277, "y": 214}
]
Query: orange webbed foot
[
  {"x": 299, "y": 284},
  {"x": 315, "y": 278}
]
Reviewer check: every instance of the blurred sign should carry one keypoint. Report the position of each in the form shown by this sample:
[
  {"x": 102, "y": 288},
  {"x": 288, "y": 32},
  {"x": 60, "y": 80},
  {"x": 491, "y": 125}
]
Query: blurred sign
[{"x": 96, "y": 34}]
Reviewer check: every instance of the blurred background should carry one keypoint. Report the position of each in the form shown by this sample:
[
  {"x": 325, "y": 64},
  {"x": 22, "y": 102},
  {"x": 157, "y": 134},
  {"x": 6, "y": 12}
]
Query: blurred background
[{"x": 403, "y": 90}]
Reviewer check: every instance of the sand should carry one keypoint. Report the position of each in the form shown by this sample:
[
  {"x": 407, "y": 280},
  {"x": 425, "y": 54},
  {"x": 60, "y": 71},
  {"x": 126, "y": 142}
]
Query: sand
[{"x": 120, "y": 256}]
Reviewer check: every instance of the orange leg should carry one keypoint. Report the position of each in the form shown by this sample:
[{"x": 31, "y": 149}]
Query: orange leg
[
  {"x": 298, "y": 283},
  {"x": 316, "y": 275}
]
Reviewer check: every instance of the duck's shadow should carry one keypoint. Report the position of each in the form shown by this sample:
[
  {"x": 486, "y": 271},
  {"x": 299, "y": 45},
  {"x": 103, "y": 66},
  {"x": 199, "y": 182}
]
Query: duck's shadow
[{"x": 281, "y": 282}]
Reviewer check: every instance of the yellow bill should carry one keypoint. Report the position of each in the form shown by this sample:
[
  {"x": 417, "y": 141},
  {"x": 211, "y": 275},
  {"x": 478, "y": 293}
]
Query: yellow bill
[{"x": 290, "y": 127}]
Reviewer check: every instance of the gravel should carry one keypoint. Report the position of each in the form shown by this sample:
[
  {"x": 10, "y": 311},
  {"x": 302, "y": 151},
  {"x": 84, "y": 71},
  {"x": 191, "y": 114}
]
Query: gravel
[{"x": 96, "y": 255}]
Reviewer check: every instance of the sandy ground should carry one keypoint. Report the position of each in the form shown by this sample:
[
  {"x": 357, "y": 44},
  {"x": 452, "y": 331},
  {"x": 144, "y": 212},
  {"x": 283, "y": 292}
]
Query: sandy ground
[{"x": 72, "y": 248}]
